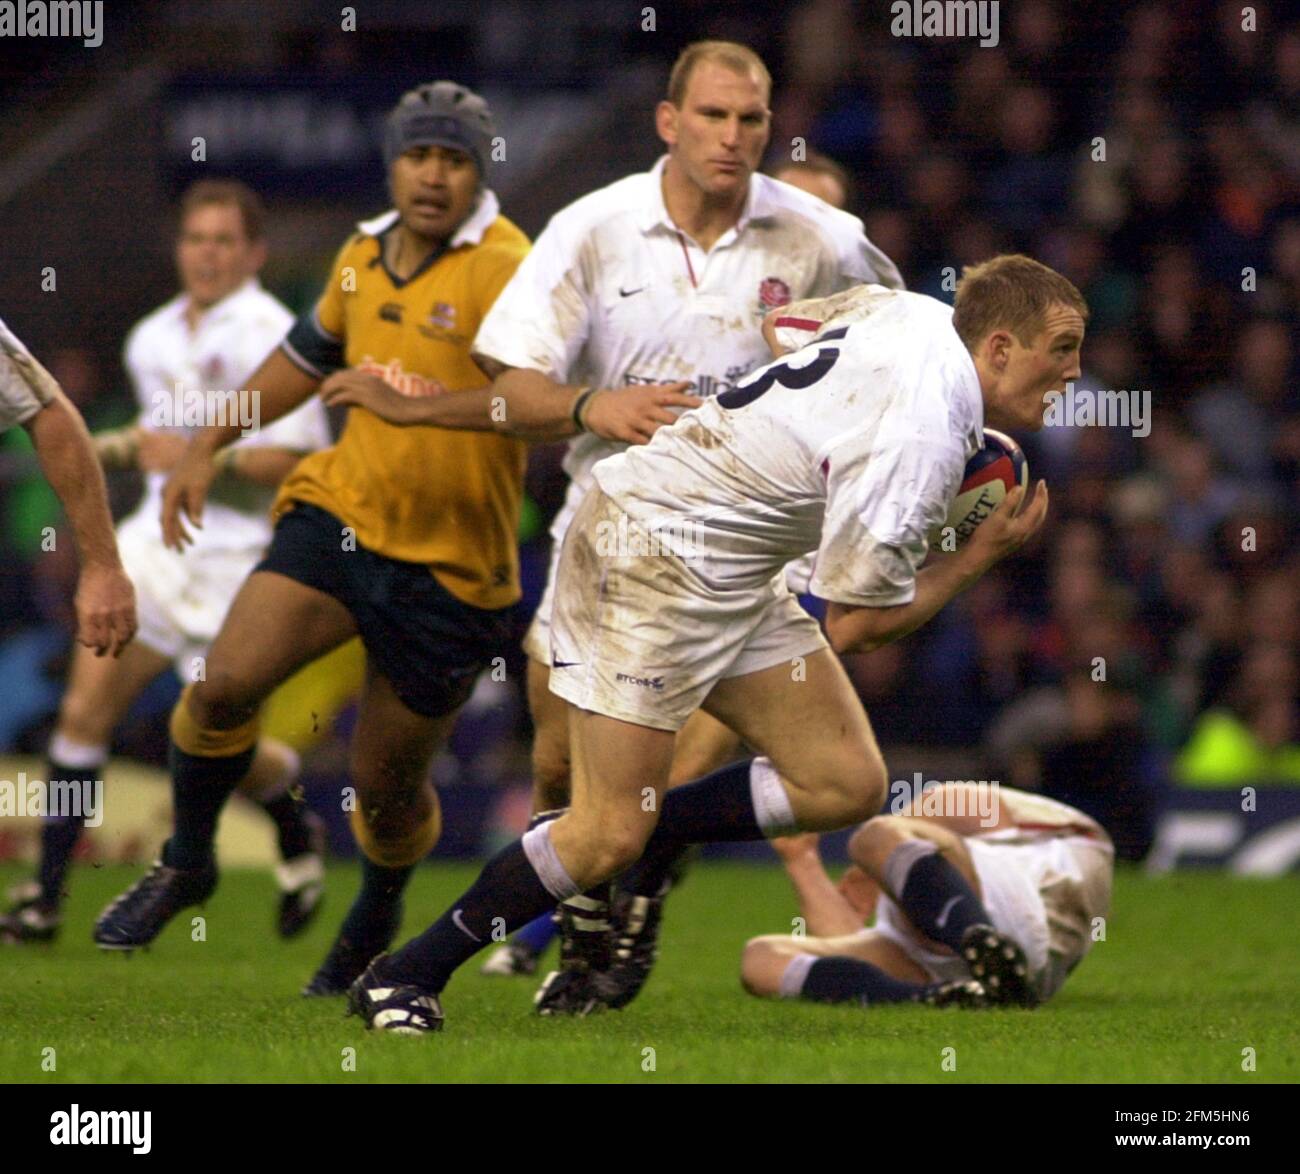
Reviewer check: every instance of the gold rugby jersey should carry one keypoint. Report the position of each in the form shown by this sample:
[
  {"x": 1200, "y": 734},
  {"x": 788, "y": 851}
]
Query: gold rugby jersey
[{"x": 447, "y": 499}]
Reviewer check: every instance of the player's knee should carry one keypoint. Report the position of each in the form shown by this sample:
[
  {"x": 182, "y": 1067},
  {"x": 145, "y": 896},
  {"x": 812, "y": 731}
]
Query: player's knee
[
  {"x": 857, "y": 777},
  {"x": 221, "y": 702},
  {"x": 871, "y": 845},
  {"x": 762, "y": 963},
  {"x": 873, "y": 782},
  {"x": 613, "y": 850},
  {"x": 390, "y": 806},
  {"x": 389, "y": 782}
]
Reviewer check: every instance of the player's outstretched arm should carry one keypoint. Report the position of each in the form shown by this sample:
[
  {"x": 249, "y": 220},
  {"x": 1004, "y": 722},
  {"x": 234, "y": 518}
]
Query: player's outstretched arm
[
  {"x": 477, "y": 409},
  {"x": 259, "y": 466},
  {"x": 281, "y": 386},
  {"x": 862, "y": 629},
  {"x": 521, "y": 403},
  {"x": 532, "y": 406},
  {"x": 105, "y": 602},
  {"x": 826, "y": 911},
  {"x": 536, "y": 407}
]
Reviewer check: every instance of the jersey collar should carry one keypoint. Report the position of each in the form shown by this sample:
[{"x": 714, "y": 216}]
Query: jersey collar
[
  {"x": 470, "y": 231},
  {"x": 222, "y": 309},
  {"x": 759, "y": 204}
]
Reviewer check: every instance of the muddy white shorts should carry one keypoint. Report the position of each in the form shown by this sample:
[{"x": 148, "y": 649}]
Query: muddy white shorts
[
  {"x": 181, "y": 599},
  {"x": 537, "y": 640},
  {"x": 636, "y": 635}
]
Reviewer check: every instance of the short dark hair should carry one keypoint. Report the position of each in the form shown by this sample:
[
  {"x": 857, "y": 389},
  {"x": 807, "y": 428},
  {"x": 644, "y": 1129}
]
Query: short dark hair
[
  {"x": 732, "y": 54},
  {"x": 1010, "y": 292},
  {"x": 227, "y": 191}
]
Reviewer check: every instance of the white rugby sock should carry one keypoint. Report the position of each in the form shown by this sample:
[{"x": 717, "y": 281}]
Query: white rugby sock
[
  {"x": 546, "y": 863},
  {"x": 80, "y": 755},
  {"x": 772, "y": 810}
]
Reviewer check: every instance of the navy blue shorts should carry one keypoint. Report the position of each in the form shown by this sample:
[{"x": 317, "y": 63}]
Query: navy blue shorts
[{"x": 427, "y": 643}]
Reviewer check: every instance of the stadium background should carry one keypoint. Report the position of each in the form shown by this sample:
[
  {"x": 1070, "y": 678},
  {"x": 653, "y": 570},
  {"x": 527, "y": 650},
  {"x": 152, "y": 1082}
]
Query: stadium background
[{"x": 1185, "y": 240}]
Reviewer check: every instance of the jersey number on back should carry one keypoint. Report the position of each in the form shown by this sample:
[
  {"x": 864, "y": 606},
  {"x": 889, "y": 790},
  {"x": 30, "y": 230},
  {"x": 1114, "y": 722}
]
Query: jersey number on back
[{"x": 795, "y": 378}]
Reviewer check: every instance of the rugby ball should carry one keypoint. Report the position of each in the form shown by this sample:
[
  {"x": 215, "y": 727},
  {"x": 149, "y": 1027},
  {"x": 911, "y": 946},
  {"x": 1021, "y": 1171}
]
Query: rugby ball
[{"x": 990, "y": 475}]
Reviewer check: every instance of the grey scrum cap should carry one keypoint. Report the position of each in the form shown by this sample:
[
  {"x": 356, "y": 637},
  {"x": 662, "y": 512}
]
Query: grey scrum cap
[{"x": 440, "y": 114}]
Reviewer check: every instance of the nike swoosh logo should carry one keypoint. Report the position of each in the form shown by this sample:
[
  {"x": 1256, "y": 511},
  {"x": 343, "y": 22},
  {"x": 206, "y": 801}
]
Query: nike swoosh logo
[
  {"x": 627, "y": 293},
  {"x": 459, "y": 923},
  {"x": 939, "y": 921},
  {"x": 563, "y": 664}
]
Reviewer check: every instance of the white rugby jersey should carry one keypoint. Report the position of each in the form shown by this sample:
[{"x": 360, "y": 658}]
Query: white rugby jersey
[
  {"x": 852, "y": 446},
  {"x": 231, "y": 340},
  {"x": 21, "y": 396},
  {"x": 614, "y": 293},
  {"x": 802, "y": 322}
]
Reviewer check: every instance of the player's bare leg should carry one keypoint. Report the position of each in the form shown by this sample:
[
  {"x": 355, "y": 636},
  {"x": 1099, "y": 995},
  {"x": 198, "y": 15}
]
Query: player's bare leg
[
  {"x": 701, "y": 746},
  {"x": 765, "y": 960},
  {"x": 876, "y": 841},
  {"x": 620, "y": 776},
  {"x": 831, "y": 958},
  {"x": 815, "y": 734},
  {"x": 816, "y": 727},
  {"x": 550, "y": 756},
  {"x": 620, "y": 772},
  {"x": 606, "y": 794},
  {"x": 274, "y": 626},
  {"x": 926, "y": 868},
  {"x": 864, "y": 968},
  {"x": 396, "y": 822},
  {"x": 100, "y": 691}
]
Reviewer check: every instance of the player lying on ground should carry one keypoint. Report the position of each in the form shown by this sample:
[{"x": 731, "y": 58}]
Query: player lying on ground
[
  {"x": 30, "y": 396},
  {"x": 404, "y": 536},
  {"x": 691, "y": 255},
  {"x": 218, "y": 328},
  {"x": 671, "y": 596},
  {"x": 1035, "y": 870}
]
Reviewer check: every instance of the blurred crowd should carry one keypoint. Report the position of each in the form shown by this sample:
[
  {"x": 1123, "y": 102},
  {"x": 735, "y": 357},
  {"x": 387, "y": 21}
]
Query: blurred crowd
[{"x": 1151, "y": 152}]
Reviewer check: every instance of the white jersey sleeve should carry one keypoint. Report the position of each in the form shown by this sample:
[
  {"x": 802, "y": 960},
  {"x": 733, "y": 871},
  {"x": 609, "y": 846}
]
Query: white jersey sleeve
[
  {"x": 884, "y": 494},
  {"x": 25, "y": 386},
  {"x": 540, "y": 320},
  {"x": 865, "y": 262},
  {"x": 263, "y": 324}
]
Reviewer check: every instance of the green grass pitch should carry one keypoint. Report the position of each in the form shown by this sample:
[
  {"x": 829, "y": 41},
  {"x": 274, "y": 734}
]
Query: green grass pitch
[{"x": 1195, "y": 968}]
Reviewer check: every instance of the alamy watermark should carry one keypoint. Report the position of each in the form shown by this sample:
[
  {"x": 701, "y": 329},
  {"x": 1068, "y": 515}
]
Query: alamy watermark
[
  {"x": 188, "y": 407},
  {"x": 951, "y": 798},
  {"x": 57, "y": 18},
  {"x": 122, "y": 1127},
  {"x": 1099, "y": 408},
  {"x": 61, "y": 799},
  {"x": 946, "y": 18},
  {"x": 625, "y": 539}
]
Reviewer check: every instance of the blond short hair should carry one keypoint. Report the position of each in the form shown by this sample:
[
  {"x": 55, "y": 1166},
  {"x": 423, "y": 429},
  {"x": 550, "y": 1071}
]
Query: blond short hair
[
  {"x": 1010, "y": 292},
  {"x": 732, "y": 54}
]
